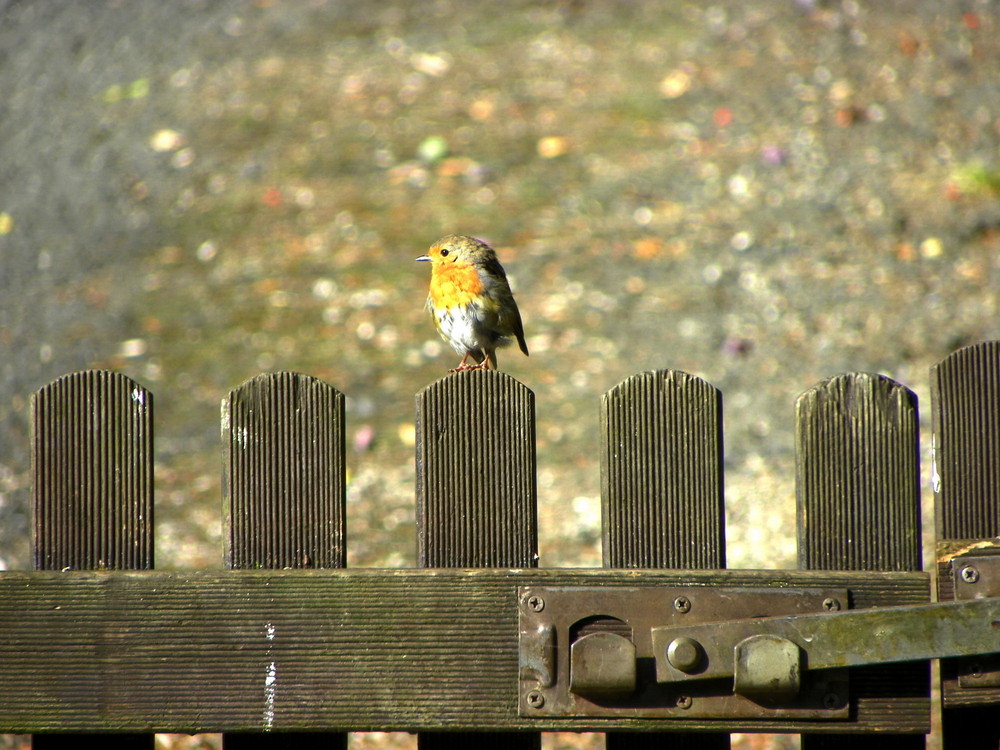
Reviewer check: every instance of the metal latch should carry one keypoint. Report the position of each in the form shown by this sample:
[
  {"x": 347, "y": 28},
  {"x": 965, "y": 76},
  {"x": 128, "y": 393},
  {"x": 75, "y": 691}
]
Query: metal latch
[
  {"x": 723, "y": 653},
  {"x": 589, "y": 651}
]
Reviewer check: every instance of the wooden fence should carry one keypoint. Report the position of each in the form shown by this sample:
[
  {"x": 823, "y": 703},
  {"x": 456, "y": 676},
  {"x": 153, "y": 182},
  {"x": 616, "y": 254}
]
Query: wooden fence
[{"x": 434, "y": 651}]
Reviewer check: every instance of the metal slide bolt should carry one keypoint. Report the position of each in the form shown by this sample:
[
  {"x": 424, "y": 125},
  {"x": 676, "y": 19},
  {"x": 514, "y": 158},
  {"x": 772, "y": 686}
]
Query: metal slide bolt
[{"x": 602, "y": 663}]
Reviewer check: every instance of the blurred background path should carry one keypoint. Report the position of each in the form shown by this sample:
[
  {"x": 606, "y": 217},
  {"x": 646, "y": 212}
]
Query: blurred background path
[{"x": 763, "y": 194}]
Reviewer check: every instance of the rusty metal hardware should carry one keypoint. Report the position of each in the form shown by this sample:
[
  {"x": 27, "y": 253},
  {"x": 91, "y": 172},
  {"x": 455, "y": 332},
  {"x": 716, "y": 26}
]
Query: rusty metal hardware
[
  {"x": 767, "y": 668},
  {"x": 735, "y": 653},
  {"x": 977, "y": 577},
  {"x": 843, "y": 639},
  {"x": 602, "y": 664},
  {"x": 589, "y": 651}
]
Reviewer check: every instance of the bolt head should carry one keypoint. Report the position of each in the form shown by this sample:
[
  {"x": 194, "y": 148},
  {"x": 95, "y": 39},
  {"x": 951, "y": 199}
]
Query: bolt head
[
  {"x": 685, "y": 654},
  {"x": 682, "y": 604}
]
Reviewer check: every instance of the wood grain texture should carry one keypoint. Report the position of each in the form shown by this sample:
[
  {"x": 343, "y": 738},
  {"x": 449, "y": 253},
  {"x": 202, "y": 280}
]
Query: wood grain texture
[
  {"x": 662, "y": 493},
  {"x": 285, "y": 472},
  {"x": 283, "y": 507},
  {"x": 476, "y": 495},
  {"x": 476, "y": 491},
  {"x": 858, "y": 497},
  {"x": 92, "y": 473},
  {"x": 344, "y": 650},
  {"x": 661, "y": 473},
  {"x": 965, "y": 394},
  {"x": 92, "y": 491},
  {"x": 858, "y": 475}
]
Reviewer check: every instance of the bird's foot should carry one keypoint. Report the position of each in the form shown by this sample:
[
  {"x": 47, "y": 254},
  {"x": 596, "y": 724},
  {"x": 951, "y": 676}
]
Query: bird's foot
[{"x": 463, "y": 367}]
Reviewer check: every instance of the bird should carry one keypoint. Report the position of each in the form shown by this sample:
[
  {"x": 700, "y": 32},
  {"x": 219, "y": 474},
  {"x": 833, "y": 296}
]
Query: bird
[{"x": 471, "y": 302}]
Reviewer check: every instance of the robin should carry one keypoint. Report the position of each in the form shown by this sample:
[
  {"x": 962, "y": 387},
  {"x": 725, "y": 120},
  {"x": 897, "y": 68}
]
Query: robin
[{"x": 471, "y": 301}]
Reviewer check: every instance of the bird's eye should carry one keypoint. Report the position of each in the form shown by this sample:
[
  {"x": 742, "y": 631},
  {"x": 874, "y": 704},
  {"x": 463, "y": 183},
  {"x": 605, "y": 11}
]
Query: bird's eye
[{"x": 444, "y": 253}]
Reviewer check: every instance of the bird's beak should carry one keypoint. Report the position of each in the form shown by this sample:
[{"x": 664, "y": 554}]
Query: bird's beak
[{"x": 423, "y": 257}]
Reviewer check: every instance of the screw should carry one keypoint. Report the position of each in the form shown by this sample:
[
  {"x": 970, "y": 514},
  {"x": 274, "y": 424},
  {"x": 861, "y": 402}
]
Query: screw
[
  {"x": 831, "y": 605},
  {"x": 535, "y": 699},
  {"x": 535, "y": 603},
  {"x": 683, "y": 701},
  {"x": 970, "y": 574},
  {"x": 682, "y": 604},
  {"x": 831, "y": 701}
]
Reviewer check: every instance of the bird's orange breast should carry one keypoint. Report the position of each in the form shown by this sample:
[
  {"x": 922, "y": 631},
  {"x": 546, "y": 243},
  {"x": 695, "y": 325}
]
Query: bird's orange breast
[{"x": 455, "y": 285}]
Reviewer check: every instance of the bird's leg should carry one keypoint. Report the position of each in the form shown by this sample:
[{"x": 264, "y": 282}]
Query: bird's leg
[
  {"x": 484, "y": 365},
  {"x": 462, "y": 366}
]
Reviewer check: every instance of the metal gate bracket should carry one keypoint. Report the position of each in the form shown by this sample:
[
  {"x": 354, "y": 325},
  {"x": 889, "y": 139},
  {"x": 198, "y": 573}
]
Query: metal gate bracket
[
  {"x": 593, "y": 652},
  {"x": 977, "y": 577},
  {"x": 728, "y": 652}
]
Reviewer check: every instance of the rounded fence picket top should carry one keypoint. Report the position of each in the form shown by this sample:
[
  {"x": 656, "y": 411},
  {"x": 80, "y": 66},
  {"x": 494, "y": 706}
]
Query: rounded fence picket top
[{"x": 92, "y": 473}]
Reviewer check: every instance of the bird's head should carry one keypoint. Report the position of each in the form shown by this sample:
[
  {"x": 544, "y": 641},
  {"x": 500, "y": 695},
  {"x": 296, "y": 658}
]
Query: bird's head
[{"x": 459, "y": 248}]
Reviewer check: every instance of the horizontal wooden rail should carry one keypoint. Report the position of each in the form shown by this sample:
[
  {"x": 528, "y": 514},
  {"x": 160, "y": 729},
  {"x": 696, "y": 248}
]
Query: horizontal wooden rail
[{"x": 346, "y": 650}]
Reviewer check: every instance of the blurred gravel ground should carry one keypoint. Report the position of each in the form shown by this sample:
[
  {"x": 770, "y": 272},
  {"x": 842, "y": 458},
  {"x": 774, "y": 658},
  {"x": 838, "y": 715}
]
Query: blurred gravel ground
[{"x": 763, "y": 194}]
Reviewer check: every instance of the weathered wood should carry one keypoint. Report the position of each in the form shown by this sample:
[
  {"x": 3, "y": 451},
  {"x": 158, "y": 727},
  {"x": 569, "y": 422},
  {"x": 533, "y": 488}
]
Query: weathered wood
[
  {"x": 92, "y": 490},
  {"x": 476, "y": 495},
  {"x": 92, "y": 473},
  {"x": 661, "y": 473},
  {"x": 284, "y": 496},
  {"x": 662, "y": 492},
  {"x": 136, "y": 653},
  {"x": 965, "y": 393},
  {"x": 857, "y": 472},
  {"x": 858, "y": 497},
  {"x": 283, "y": 436},
  {"x": 343, "y": 650},
  {"x": 476, "y": 492}
]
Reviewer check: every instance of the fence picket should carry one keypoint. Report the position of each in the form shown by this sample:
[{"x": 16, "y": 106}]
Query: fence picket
[
  {"x": 661, "y": 473},
  {"x": 92, "y": 491},
  {"x": 858, "y": 497},
  {"x": 965, "y": 393},
  {"x": 284, "y": 467},
  {"x": 476, "y": 499},
  {"x": 662, "y": 493},
  {"x": 284, "y": 496}
]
